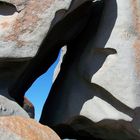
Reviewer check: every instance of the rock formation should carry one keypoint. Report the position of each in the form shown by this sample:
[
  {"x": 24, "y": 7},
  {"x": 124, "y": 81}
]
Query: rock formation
[
  {"x": 69, "y": 69},
  {"x": 24, "y": 25},
  {"x": 96, "y": 92},
  {"x": 65, "y": 27},
  {"x": 19, "y": 128},
  {"x": 23, "y": 32},
  {"x": 99, "y": 78},
  {"x": 10, "y": 108}
]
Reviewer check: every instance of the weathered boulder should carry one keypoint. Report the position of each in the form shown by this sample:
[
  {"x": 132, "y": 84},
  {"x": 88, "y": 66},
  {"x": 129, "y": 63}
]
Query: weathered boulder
[
  {"x": 18, "y": 128},
  {"x": 11, "y": 108},
  {"x": 24, "y": 25},
  {"x": 70, "y": 83},
  {"x": 118, "y": 78},
  {"x": 23, "y": 31},
  {"x": 99, "y": 76}
]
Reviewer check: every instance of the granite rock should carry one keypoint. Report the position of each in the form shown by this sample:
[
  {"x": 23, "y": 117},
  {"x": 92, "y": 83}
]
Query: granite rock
[
  {"x": 23, "y": 31},
  {"x": 65, "y": 27},
  {"x": 18, "y": 128},
  {"x": 24, "y": 24},
  {"x": 119, "y": 74},
  {"x": 11, "y": 108},
  {"x": 99, "y": 75}
]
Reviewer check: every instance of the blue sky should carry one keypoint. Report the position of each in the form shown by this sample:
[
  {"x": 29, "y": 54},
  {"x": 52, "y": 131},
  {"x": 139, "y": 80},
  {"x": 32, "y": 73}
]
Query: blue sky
[{"x": 39, "y": 90}]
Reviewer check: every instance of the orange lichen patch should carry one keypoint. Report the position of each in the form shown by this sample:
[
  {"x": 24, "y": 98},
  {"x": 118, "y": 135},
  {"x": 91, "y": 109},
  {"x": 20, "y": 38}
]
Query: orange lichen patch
[
  {"x": 137, "y": 57},
  {"x": 136, "y": 22},
  {"x": 4, "y": 24},
  {"x": 28, "y": 19},
  {"x": 27, "y": 129},
  {"x": 136, "y": 14}
]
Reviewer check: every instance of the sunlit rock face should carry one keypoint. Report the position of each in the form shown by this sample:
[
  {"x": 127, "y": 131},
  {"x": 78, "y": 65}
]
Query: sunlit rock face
[
  {"x": 101, "y": 81},
  {"x": 119, "y": 74},
  {"x": 18, "y": 128},
  {"x": 23, "y": 29}
]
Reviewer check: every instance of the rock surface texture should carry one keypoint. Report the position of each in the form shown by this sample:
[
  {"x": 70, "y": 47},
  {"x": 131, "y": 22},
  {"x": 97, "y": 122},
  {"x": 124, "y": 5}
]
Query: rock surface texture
[
  {"x": 96, "y": 94},
  {"x": 18, "y": 128},
  {"x": 119, "y": 74},
  {"x": 101, "y": 81},
  {"x": 23, "y": 31},
  {"x": 11, "y": 108},
  {"x": 24, "y": 25}
]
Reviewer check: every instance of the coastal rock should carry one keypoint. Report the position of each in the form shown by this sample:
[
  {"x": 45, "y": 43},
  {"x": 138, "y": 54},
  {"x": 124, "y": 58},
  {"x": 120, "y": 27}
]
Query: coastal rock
[
  {"x": 18, "y": 128},
  {"x": 11, "y": 108},
  {"x": 99, "y": 75},
  {"x": 117, "y": 80},
  {"x": 23, "y": 31}
]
